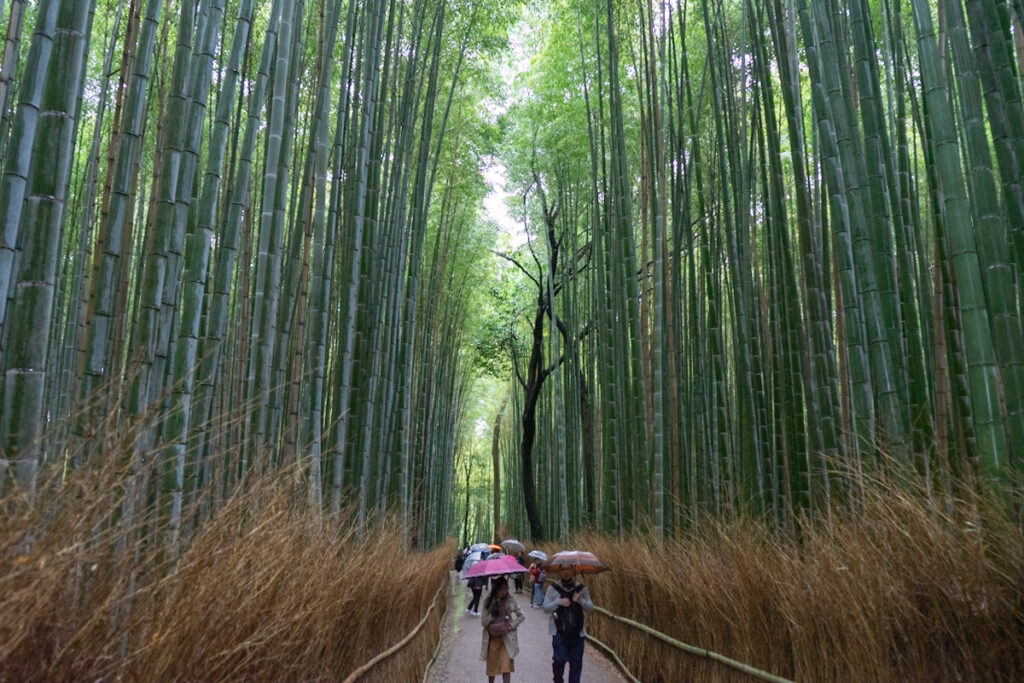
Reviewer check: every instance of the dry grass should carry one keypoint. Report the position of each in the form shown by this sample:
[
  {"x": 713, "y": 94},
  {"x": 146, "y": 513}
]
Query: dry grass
[
  {"x": 900, "y": 593},
  {"x": 266, "y": 591}
]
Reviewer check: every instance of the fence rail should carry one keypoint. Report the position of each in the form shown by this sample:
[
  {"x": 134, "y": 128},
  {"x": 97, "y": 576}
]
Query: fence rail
[
  {"x": 691, "y": 649},
  {"x": 354, "y": 676}
]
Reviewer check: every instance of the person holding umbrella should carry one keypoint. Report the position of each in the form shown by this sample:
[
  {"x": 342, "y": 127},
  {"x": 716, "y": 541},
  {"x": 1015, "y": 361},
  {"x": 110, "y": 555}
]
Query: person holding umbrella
[
  {"x": 481, "y": 571},
  {"x": 538, "y": 577},
  {"x": 476, "y": 586},
  {"x": 566, "y": 600},
  {"x": 500, "y": 644},
  {"x": 516, "y": 549},
  {"x": 518, "y": 578},
  {"x": 502, "y": 616}
]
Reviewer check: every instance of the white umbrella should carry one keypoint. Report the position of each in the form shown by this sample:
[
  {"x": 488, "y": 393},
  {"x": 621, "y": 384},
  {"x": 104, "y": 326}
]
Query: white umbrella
[
  {"x": 513, "y": 546},
  {"x": 471, "y": 559},
  {"x": 538, "y": 555}
]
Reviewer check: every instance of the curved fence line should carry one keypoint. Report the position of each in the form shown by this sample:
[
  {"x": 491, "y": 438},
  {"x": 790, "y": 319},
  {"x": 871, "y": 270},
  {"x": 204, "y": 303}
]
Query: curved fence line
[
  {"x": 354, "y": 676},
  {"x": 693, "y": 650},
  {"x": 618, "y": 662},
  {"x": 440, "y": 639}
]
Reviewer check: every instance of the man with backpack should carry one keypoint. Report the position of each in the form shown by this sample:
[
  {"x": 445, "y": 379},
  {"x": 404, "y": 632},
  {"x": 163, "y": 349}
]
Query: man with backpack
[{"x": 566, "y": 600}]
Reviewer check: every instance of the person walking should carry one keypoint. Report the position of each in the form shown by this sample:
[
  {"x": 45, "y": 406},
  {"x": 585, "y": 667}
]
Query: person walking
[
  {"x": 566, "y": 600},
  {"x": 538, "y": 576},
  {"x": 475, "y": 584},
  {"x": 500, "y": 645}
]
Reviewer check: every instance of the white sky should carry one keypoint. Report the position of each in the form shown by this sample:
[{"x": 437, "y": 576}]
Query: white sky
[{"x": 496, "y": 204}]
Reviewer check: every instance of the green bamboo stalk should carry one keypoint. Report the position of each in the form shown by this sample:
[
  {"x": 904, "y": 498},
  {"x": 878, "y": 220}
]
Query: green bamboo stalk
[
  {"x": 59, "y": 48},
  {"x": 371, "y": 77},
  {"x": 993, "y": 246},
  {"x": 115, "y": 234},
  {"x": 323, "y": 257},
  {"x": 958, "y": 226},
  {"x": 337, "y": 460},
  {"x": 998, "y": 232},
  {"x": 8, "y": 64},
  {"x": 846, "y": 211},
  {"x": 990, "y": 29},
  {"x": 269, "y": 241},
  {"x": 17, "y": 160},
  {"x": 75, "y": 329},
  {"x": 230, "y": 240},
  {"x": 889, "y": 358},
  {"x": 197, "y": 250}
]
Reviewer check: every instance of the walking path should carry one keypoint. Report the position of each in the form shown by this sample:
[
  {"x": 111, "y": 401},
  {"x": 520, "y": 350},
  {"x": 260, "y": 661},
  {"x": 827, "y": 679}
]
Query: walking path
[{"x": 459, "y": 659}]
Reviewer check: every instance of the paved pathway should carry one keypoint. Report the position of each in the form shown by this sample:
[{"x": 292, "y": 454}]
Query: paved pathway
[{"x": 459, "y": 659}]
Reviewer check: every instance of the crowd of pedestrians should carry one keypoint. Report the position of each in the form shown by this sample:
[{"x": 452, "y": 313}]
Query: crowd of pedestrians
[{"x": 566, "y": 600}]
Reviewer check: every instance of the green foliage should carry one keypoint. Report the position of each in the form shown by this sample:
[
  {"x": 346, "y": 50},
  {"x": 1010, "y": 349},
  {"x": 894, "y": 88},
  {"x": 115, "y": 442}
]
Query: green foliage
[
  {"x": 499, "y": 304},
  {"x": 758, "y": 215},
  {"x": 546, "y": 122}
]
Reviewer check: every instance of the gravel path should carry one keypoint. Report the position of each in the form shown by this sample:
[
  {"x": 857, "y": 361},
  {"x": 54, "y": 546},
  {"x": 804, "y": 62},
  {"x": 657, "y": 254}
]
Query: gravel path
[{"x": 459, "y": 658}]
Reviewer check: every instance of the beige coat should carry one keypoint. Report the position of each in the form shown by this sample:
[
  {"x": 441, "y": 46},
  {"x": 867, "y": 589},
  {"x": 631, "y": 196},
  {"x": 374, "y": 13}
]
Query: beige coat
[{"x": 510, "y": 638}]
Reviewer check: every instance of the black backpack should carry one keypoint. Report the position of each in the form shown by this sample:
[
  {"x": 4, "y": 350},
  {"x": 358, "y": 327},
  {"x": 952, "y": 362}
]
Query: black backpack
[{"x": 569, "y": 620}]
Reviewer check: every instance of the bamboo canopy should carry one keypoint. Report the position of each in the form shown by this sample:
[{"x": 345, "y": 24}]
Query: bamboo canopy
[{"x": 764, "y": 251}]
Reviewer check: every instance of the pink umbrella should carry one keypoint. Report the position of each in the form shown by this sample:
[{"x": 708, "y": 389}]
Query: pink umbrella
[{"x": 506, "y": 564}]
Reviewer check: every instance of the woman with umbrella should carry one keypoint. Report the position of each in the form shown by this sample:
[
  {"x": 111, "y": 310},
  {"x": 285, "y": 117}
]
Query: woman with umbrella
[
  {"x": 499, "y": 644},
  {"x": 566, "y": 601},
  {"x": 501, "y": 618}
]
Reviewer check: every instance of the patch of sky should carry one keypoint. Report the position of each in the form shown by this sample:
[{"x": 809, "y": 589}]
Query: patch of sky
[{"x": 496, "y": 203}]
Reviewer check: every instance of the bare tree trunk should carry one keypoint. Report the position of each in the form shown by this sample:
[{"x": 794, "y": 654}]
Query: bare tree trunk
[{"x": 497, "y": 467}]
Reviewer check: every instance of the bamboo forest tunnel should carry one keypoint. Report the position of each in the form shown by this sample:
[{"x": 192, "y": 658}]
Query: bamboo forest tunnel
[{"x": 537, "y": 266}]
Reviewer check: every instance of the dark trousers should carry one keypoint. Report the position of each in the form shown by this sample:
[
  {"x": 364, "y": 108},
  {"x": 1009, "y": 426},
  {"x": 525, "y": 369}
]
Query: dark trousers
[
  {"x": 474, "y": 604},
  {"x": 567, "y": 650}
]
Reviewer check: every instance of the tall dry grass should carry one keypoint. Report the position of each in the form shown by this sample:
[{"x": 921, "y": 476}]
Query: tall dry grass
[
  {"x": 898, "y": 592},
  {"x": 266, "y": 590}
]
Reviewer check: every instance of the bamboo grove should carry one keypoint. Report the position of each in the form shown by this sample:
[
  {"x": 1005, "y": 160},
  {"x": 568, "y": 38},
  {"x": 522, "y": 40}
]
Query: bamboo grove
[
  {"x": 234, "y": 240},
  {"x": 775, "y": 251}
]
